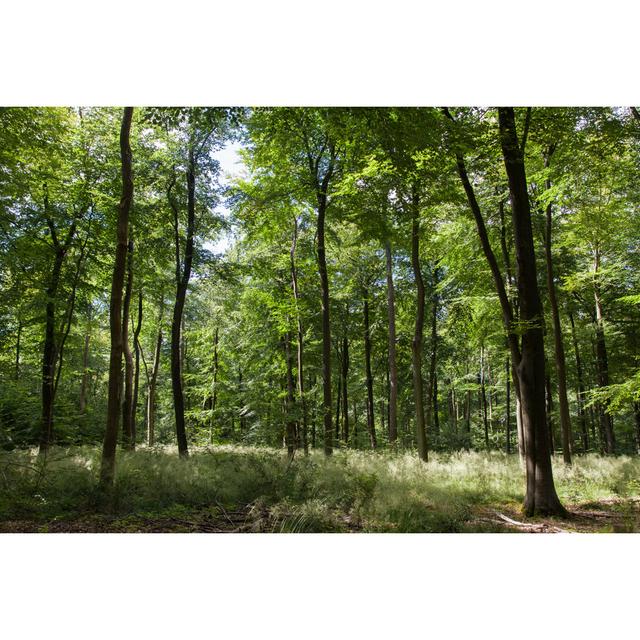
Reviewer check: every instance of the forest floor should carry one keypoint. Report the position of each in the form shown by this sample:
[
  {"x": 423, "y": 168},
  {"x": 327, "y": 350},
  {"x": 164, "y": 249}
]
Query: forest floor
[{"x": 229, "y": 489}]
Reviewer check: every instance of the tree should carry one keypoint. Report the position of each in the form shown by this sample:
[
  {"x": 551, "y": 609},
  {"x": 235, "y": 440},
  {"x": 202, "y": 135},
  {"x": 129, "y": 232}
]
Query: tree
[{"x": 107, "y": 469}]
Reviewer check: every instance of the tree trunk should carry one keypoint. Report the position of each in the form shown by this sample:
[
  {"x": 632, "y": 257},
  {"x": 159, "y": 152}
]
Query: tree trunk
[
  {"x": 508, "y": 405},
  {"x": 151, "y": 397},
  {"x": 541, "y": 497},
  {"x": 549, "y": 399},
  {"x": 418, "y": 385},
  {"x": 602, "y": 367},
  {"x": 433, "y": 378},
  {"x": 561, "y": 367},
  {"x": 49, "y": 355},
  {"x": 345, "y": 401},
  {"x": 136, "y": 377},
  {"x": 182, "y": 282},
  {"x": 82, "y": 400},
  {"x": 17, "y": 360},
  {"x": 290, "y": 436},
  {"x": 483, "y": 399},
  {"x": 127, "y": 404},
  {"x": 369, "y": 376},
  {"x": 326, "y": 330},
  {"x": 581, "y": 413},
  {"x": 300, "y": 350},
  {"x": 107, "y": 470},
  {"x": 393, "y": 366},
  {"x": 214, "y": 386}
]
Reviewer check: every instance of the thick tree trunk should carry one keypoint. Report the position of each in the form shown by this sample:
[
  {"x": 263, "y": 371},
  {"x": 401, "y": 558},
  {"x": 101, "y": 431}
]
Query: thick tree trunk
[
  {"x": 369, "y": 376},
  {"x": 418, "y": 385},
  {"x": 581, "y": 413},
  {"x": 107, "y": 469},
  {"x": 541, "y": 497},
  {"x": 127, "y": 403},
  {"x": 393, "y": 366},
  {"x": 561, "y": 367},
  {"x": 549, "y": 399}
]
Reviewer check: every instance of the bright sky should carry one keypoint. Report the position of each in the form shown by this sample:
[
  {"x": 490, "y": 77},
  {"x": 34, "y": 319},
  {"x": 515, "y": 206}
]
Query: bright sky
[{"x": 231, "y": 166}]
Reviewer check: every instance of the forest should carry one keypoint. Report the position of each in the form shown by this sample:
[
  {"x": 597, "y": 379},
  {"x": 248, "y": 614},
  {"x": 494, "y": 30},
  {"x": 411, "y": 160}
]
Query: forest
[{"x": 319, "y": 319}]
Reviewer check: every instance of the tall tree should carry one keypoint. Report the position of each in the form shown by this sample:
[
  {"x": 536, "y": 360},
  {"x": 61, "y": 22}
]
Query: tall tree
[{"x": 107, "y": 469}]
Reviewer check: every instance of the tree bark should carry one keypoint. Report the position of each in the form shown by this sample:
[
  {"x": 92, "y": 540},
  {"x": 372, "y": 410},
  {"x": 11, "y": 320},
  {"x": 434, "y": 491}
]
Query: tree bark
[
  {"x": 127, "y": 403},
  {"x": 393, "y": 366},
  {"x": 50, "y": 350},
  {"x": 182, "y": 282},
  {"x": 136, "y": 376},
  {"x": 107, "y": 469},
  {"x": 326, "y": 325},
  {"x": 290, "y": 436},
  {"x": 418, "y": 385},
  {"x": 371, "y": 427},
  {"x": 345, "y": 401},
  {"x": 541, "y": 497},
  {"x": 602, "y": 366},
  {"x": 560, "y": 361},
  {"x": 581, "y": 413},
  {"x": 300, "y": 349},
  {"x": 433, "y": 378}
]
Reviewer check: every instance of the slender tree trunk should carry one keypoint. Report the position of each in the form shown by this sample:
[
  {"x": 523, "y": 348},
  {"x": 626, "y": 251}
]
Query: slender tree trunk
[
  {"x": 50, "y": 349},
  {"x": 107, "y": 470},
  {"x": 602, "y": 368},
  {"x": 151, "y": 397},
  {"x": 345, "y": 401},
  {"x": 214, "y": 386},
  {"x": 17, "y": 360},
  {"x": 127, "y": 404},
  {"x": 393, "y": 366},
  {"x": 82, "y": 400},
  {"x": 49, "y": 355},
  {"x": 182, "y": 283},
  {"x": 561, "y": 367},
  {"x": 136, "y": 376},
  {"x": 483, "y": 399},
  {"x": 549, "y": 399},
  {"x": 300, "y": 350},
  {"x": 581, "y": 413},
  {"x": 636, "y": 415},
  {"x": 433, "y": 378},
  {"x": 541, "y": 497},
  {"x": 326, "y": 328},
  {"x": 418, "y": 385},
  {"x": 508, "y": 404},
  {"x": 290, "y": 436},
  {"x": 369, "y": 376}
]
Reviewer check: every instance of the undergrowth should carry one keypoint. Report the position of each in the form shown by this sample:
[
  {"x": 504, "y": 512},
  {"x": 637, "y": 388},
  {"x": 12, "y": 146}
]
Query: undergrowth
[{"x": 349, "y": 491}]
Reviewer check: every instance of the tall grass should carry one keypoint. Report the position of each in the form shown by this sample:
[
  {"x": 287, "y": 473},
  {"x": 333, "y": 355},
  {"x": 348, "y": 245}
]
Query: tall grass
[{"x": 351, "y": 490}]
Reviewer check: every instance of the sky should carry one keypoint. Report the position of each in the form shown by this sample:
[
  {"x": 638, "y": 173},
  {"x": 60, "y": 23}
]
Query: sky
[{"x": 231, "y": 166}]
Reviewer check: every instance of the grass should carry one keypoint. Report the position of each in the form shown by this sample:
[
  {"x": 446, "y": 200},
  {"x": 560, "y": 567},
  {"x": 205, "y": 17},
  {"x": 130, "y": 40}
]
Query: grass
[{"x": 230, "y": 488}]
